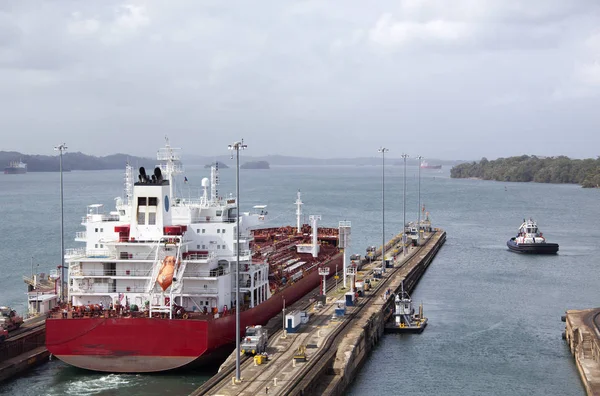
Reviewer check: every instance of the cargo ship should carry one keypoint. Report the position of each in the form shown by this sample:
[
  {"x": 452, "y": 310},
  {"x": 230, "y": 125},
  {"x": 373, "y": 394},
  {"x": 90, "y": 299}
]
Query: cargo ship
[
  {"x": 425, "y": 165},
  {"x": 154, "y": 287},
  {"x": 16, "y": 168}
]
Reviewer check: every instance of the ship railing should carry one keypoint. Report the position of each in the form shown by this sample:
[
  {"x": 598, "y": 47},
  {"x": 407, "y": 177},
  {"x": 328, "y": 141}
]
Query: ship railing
[
  {"x": 102, "y": 272},
  {"x": 211, "y": 219},
  {"x": 77, "y": 252},
  {"x": 135, "y": 256},
  {"x": 97, "y": 253},
  {"x": 99, "y": 217},
  {"x": 199, "y": 290},
  {"x": 193, "y": 257},
  {"x": 206, "y": 274},
  {"x": 80, "y": 235},
  {"x": 104, "y": 289}
]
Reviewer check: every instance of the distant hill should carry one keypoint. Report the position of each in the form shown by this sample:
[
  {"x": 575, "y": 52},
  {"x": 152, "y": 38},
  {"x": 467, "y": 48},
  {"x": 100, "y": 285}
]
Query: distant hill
[
  {"x": 219, "y": 163},
  {"x": 80, "y": 161},
  {"x": 281, "y": 160},
  {"x": 72, "y": 161},
  {"x": 255, "y": 165}
]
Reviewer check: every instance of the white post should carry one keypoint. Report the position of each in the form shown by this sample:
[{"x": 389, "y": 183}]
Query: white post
[
  {"x": 298, "y": 212},
  {"x": 315, "y": 234}
]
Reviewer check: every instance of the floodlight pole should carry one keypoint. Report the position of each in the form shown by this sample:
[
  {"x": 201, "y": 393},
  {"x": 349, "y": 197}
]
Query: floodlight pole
[
  {"x": 237, "y": 146},
  {"x": 383, "y": 150},
  {"x": 404, "y": 157},
  {"x": 419, "y": 159},
  {"x": 61, "y": 148}
]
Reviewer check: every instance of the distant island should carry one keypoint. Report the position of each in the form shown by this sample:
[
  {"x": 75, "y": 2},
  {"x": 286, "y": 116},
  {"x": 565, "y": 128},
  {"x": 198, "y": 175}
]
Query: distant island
[
  {"x": 585, "y": 172},
  {"x": 72, "y": 161},
  {"x": 219, "y": 164},
  {"x": 255, "y": 165}
]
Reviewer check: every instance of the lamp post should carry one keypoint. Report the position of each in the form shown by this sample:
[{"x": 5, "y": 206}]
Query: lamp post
[
  {"x": 419, "y": 159},
  {"x": 283, "y": 314},
  {"x": 237, "y": 146},
  {"x": 61, "y": 148},
  {"x": 382, "y": 150},
  {"x": 404, "y": 157}
]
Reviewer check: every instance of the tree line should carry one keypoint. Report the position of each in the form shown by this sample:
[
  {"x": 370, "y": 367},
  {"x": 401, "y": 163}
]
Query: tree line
[{"x": 525, "y": 168}]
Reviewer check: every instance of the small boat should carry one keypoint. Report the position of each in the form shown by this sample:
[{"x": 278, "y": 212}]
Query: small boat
[
  {"x": 425, "y": 165},
  {"x": 405, "y": 319},
  {"x": 530, "y": 240},
  {"x": 16, "y": 168}
]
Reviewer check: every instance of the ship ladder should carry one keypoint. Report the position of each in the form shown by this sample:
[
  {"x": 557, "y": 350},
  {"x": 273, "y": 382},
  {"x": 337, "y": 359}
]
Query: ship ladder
[{"x": 151, "y": 287}]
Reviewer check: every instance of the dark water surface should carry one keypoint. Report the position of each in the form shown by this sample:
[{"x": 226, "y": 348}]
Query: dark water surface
[{"x": 494, "y": 316}]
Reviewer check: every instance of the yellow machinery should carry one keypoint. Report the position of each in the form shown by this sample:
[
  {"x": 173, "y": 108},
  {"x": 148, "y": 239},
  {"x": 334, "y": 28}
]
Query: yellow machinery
[{"x": 300, "y": 354}]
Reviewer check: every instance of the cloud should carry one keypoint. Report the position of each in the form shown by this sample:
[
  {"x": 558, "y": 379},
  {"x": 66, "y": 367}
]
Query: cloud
[
  {"x": 390, "y": 33},
  {"x": 345, "y": 76}
]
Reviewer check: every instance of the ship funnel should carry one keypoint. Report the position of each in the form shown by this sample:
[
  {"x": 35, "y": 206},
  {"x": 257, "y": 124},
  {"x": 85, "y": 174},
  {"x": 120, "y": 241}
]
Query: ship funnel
[
  {"x": 143, "y": 177},
  {"x": 158, "y": 174}
]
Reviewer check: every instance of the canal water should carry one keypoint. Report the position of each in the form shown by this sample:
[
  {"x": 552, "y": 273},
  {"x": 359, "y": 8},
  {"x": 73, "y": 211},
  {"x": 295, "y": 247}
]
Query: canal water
[{"x": 494, "y": 316}]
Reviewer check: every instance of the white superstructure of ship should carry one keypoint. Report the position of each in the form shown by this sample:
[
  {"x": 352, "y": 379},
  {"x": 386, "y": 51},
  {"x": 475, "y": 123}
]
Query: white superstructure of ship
[{"x": 125, "y": 249}]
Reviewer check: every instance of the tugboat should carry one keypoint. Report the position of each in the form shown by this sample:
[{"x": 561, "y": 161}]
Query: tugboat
[
  {"x": 405, "y": 319},
  {"x": 530, "y": 240}
]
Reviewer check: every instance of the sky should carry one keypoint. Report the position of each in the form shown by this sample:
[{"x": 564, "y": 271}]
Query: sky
[{"x": 460, "y": 79}]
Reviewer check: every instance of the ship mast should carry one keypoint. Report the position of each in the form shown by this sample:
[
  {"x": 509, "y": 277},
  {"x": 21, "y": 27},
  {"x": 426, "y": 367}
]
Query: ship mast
[
  {"x": 298, "y": 212},
  {"x": 171, "y": 165},
  {"x": 128, "y": 184},
  {"x": 214, "y": 182}
]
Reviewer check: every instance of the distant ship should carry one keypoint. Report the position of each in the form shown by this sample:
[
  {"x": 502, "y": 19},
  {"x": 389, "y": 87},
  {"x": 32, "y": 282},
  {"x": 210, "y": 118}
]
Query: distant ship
[
  {"x": 425, "y": 165},
  {"x": 16, "y": 168}
]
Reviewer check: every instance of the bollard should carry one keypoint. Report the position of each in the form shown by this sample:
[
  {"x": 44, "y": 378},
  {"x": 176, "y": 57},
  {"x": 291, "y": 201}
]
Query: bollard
[
  {"x": 274, "y": 381},
  {"x": 293, "y": 362},
  {"x": 319, "y": 333}
]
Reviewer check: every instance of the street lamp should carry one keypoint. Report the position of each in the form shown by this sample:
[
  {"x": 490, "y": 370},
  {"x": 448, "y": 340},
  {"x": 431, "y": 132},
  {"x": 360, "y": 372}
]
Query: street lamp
[
  {"x": 61, "y": 148},
  {"x": 237, "y": 146},
  {"x": 382, "y": 150},
  {"x": 404, "y": 157},
  {"x": 419, "y": 159}
]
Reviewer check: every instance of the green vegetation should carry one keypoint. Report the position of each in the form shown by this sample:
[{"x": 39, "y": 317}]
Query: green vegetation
[{"x": 533, "y": 169}]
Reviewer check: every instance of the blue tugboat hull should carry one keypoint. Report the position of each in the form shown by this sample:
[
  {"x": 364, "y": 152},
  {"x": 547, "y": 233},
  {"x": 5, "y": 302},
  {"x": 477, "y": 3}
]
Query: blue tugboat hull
[{"x": 532, "y": 248}]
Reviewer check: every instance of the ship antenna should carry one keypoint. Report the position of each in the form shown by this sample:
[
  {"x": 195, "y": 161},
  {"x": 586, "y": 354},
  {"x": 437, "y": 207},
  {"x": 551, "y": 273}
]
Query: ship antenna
[
  {"x": 169, "y": 165},
  {"x": 214, "y": 182},
  {"x": 128, "y": 183},
  {"x": 298, "y": 211}
]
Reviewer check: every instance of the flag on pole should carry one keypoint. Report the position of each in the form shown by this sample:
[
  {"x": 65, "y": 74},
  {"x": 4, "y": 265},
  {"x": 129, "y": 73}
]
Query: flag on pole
[{"x": 185, "y": 180}]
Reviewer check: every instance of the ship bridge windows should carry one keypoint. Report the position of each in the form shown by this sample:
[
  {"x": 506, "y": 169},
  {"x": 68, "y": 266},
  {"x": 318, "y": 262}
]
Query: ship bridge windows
[{"x": 146, "y": 211}]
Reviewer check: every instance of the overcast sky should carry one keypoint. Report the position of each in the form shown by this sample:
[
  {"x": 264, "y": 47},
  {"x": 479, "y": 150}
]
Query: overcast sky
[{"x": 458, "y": 79}]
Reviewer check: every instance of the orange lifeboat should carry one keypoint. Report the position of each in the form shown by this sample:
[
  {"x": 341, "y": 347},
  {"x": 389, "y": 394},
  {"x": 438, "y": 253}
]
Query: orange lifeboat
[{"x": 165, "y": 275}]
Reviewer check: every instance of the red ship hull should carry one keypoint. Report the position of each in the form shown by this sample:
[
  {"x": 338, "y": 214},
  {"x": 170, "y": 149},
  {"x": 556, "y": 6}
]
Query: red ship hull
[{"x": 130, "y": 345}]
